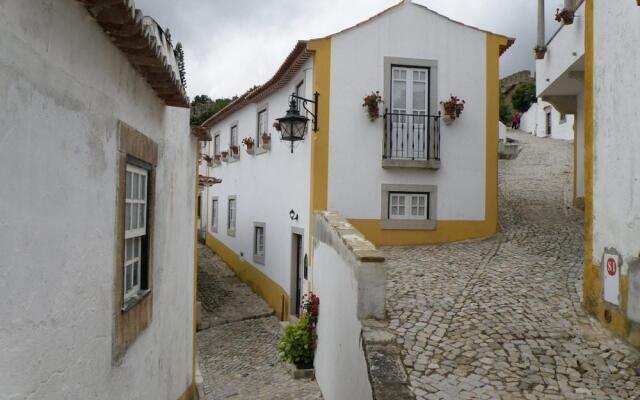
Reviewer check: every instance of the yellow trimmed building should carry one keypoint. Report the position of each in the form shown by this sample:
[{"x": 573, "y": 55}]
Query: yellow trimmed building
[{"x": 384, "y": 145}]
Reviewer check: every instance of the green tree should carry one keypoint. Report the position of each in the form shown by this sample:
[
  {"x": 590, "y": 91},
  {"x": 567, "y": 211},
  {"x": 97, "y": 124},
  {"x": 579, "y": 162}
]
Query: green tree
[
  {"x": 505, "y": 113},
  {"x": 179, "y": 53},
  {"x": 523, "y": 97}
]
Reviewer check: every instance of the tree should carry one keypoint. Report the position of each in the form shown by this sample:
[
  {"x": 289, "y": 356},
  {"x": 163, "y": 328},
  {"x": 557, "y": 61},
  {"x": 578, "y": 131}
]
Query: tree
[
  {"x": 179, "y": 53},
  {"x": 523, "y": 97},
  {"x": 505, "y": 114}
]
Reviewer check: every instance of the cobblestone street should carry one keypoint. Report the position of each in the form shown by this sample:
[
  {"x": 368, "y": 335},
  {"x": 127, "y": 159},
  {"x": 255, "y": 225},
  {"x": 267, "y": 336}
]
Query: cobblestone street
[
  {"x": 237, "y": 349},
  {"x": 501, "y": 318}
]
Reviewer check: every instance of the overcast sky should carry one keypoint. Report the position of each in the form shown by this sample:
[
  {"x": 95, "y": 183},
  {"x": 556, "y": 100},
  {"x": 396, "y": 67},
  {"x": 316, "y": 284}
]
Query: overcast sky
[{"x": 231, "y": 45}]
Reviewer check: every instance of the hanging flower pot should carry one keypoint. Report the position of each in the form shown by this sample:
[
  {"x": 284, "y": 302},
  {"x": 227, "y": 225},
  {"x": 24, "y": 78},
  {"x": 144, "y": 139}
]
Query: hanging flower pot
[
  {"x": 452, "y": 109},
  {"x": 248, "y": 142},
  {"x": 266, "y": 140},
  {"x": 540, "y": 52},
  {"x": 371, "y": 103},
  {"x": 565, "y": 16},
  {"x": 225, "y": 156}
]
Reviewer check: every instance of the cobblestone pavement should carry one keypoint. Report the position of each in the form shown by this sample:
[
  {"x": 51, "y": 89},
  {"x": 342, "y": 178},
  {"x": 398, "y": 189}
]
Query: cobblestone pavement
[
  {"x": 501, "y": 318},
  {"x": 237, "y": 351}
]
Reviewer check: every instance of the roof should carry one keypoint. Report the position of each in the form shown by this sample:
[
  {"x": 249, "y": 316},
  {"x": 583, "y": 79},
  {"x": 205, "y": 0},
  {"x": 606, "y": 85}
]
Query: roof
[
  {"x": 503, "y": 48},
  {"x": 289, "y": 68},
  {"x": 144, "y": 44},
  {"x": 296, "y": 59}
]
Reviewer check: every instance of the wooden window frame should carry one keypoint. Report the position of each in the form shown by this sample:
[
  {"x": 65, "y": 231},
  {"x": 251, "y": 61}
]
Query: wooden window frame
[{"x": 133, "y": 316}]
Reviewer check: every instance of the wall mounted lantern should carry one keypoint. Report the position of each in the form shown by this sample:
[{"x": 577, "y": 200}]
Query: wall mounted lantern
[
  {"x": 293, "y": 215},
  {"x": 293, "y": 126}
]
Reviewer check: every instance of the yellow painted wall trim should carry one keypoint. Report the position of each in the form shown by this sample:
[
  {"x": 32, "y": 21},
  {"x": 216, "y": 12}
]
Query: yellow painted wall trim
[
  {"x": 189, "y": 394},
  {"x": 592, "y": 286},
  {"x": 264, "y": 286},
  {"x": 447, "y": 231},
  {"x": 492, "y": 120},
  {"x": 319, "y": 174}
]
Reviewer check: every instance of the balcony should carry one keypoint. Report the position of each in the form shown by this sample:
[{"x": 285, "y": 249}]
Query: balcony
[
  {"x": 411, "y": 141},
  {"x": 559, "y": 75}
]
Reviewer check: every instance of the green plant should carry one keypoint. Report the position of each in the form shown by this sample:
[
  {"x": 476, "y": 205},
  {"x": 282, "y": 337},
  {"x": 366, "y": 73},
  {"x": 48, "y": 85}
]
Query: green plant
[
  {"x": 523, "y": 97},
  {"x": 297, "y": 346},
  {"x": 370, "y": 102},
  {"x": 505, "y": 113}
]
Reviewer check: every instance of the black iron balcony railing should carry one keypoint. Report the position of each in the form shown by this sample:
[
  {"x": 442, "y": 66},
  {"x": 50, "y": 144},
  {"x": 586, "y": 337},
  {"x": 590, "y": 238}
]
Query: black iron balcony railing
[{"x": 411, "y": 136}]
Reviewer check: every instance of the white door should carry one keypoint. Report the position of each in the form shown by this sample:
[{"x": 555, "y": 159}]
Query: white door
[{"x": 409, "y": 127}]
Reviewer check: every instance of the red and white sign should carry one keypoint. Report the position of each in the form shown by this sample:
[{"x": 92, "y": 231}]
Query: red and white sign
[{"x": 611, "y": 278}]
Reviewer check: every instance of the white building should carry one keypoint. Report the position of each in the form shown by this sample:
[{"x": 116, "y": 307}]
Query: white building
[
  {"x": 97, "y": 206},
  {"x": 403, "y": 178},
  {"x": 543, "y": 120},
  {"x": 592, "y": 66}
]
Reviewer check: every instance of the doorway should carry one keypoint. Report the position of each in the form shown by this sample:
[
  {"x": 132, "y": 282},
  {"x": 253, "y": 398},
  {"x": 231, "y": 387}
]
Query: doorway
[{"x": 297, "y": 254}]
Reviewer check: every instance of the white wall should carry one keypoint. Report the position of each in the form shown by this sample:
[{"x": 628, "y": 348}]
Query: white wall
[
  {"x": 534, "y": 122},
  {"x": 502, "y": 131},
  {"x": 63, "y": 87},
  {"x": 616, "y": 187},
  {"x": 267, "y": 185},
  {"x": 355, "y": 154}
]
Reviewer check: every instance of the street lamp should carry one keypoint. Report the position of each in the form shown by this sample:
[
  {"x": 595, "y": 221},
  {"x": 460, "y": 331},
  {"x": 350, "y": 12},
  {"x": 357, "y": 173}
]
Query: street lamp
[{"x": 293, "y": 126}]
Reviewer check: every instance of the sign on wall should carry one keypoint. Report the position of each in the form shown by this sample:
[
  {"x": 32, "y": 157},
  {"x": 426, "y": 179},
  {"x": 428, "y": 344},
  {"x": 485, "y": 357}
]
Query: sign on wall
[{"x": 611, "y": 277}]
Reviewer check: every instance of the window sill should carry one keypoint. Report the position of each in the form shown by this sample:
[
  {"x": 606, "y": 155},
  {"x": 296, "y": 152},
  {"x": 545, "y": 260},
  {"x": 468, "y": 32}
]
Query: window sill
[
  {"x": 409, "y": 225},
  {"x": 258, "y": 259},
  {"x": 135, "y": 300},
  {"x": 421, "y": 164}
]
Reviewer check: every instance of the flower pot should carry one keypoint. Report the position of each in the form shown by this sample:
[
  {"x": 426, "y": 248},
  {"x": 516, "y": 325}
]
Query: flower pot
[
  {"x": 448, "y": 119},
  {"x": 225, "y": 156},
  {"x": 540, "y": 54},
  {"x": 250, "y": 150},
  {"x": 450, "y": 109}
]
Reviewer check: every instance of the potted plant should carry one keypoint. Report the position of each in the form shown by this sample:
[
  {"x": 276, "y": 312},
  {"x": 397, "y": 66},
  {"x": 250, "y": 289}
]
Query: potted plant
[
  {"x": 565, "y": 16},
  {"x": 540, "y": 52},
  {"x": 452, "y": 109},
  {"x": 276, "y": 126},
  {"x": 207, "y": 158},
  {"x": 216, "y": 159},
  {"x": 371, "y": 103},
  {"x": 248, "y": 142},
  {"x": 266, "y": 140},
  {"x": 297, "y": 346},
  {"x": 225, "y": 156},
  {"x": 235, "y": 151}
]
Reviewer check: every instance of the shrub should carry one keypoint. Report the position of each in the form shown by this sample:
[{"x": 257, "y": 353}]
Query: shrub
[{"x": 297, "y": 344}]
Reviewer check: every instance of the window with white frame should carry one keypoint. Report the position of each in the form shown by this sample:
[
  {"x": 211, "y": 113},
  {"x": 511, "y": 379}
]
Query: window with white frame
[
  {"x": 412, "y": 206},
  {"x": 233, "y": 139},
  {"x": 259, "y": 238},
  {"x": 262, "y": 125},
  {"x": 214, "y": 215},
  {"x": 135, "y": 221},
  {"x": 216, "y": 144},
  {"x": 231, "y": 216}
]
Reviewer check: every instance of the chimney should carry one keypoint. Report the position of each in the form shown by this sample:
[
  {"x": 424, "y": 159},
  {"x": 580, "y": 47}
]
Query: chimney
[{"x": 541, "y": 33}]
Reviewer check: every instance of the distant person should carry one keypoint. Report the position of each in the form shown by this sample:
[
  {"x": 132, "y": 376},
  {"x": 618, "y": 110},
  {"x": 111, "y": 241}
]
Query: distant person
[{"x": 515, "y": 121}]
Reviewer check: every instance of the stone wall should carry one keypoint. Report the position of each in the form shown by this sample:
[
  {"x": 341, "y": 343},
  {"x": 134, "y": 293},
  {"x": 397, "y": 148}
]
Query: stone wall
[{"x": 356, "y": 358}]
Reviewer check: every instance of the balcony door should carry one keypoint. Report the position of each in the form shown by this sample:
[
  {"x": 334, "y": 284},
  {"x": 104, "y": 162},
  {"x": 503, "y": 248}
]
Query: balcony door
[{"x": 409, "y": 128}]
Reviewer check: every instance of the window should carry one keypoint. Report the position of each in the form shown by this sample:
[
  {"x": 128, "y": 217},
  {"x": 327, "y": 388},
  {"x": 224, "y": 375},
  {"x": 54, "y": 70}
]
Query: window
[
  {"x": 300, "y": 92},
  {"x": 135, "y": 215},
  {"x": 231, "y": 216},
  {"x": 259, "y": 235},
  {"x": 216, "y": 144},
  {"x": 214, "y": 215},
  {"x": 410, "y": 207},
  {"x": 137, "y": 159},
  {"x": 262, "y": 125},
  {"x": 410, "y": 136},
  {"x": 233, "y": 139}
]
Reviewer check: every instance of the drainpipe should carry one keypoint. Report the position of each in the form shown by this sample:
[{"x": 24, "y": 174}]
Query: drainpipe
[
  {"x": 569, "y": 5},
  {"x": 541, "y": 33}
]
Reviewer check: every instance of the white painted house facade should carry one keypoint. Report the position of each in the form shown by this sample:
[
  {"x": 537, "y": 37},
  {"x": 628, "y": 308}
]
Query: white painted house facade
[
  {"x": 591, "y": 66},
  {"x": 543, "y": 120},
  {"x": 406, "y": 177},
  {"x": 97, "y": 209}
]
